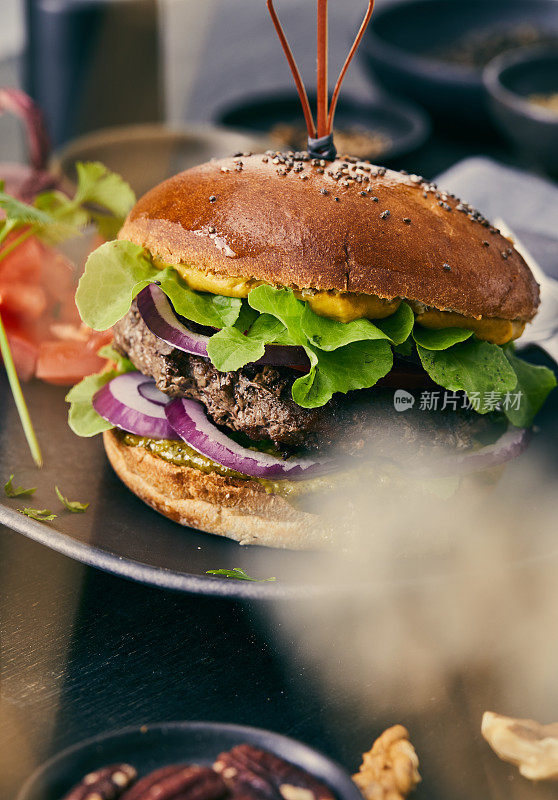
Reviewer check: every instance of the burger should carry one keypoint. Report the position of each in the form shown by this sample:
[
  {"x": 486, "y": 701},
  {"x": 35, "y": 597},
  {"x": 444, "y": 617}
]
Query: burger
[{"x": 286, "y": 326}]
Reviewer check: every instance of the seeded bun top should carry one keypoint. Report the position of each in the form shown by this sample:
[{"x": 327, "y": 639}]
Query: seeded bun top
[{"x": 345, "y": 225}]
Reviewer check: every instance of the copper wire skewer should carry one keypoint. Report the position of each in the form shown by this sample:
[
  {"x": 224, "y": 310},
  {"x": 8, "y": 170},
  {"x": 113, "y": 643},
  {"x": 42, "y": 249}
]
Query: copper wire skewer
[
  {"x": 324, "y": 116},
  {"x": 354, "y": 48},
  {"x": 295, "y": 71},
  {"x": 321, "y": 72}
]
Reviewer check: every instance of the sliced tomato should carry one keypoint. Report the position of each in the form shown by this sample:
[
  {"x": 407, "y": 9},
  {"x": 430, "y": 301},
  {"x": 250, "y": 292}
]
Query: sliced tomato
[
  {"x": 24, "y": 264},
  {"x": 25, "y": 299},
  {"x": 58, "y": 275},
  {"x": 98, "y": 339},
  {"x": 66, "y": 362},
  {"x": 24, "y": 354}
]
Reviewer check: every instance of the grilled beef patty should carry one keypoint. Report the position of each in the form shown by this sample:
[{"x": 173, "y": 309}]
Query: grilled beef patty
[{"x": 256, "y": 401}]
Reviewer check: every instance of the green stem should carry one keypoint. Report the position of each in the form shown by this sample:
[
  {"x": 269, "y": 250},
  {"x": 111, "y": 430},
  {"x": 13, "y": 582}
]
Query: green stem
[
  {"x": 19, "y": 398},
  {"x": 7, "y": 228},
  {"x": 15, "y": 243}
]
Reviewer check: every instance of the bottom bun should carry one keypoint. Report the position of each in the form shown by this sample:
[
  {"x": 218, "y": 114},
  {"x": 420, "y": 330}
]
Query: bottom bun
[{"x": 236, "y": 508}]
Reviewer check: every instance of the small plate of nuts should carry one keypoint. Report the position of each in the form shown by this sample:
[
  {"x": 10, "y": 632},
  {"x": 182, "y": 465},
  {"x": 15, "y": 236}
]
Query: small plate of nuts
[{"x": 190, "y": 761}]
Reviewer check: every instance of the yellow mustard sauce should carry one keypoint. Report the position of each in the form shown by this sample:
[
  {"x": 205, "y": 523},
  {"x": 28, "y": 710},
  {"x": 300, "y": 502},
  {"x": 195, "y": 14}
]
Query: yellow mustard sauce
[
  {"x": 348, "y": 306},
  {"x": 490, "y": 329}
]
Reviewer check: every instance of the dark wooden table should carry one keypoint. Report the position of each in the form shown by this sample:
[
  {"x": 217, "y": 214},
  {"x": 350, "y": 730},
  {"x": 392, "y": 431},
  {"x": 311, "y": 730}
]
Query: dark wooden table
[{"x": 83, "y": 652}]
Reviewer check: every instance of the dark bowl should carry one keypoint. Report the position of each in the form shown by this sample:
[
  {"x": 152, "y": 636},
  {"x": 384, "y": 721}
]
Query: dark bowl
[
  {"x": 406, "y": 126},
  {"x": 146, "y": 154},
  {"x": 510, "y": 80},
  {"x": 404, "y": 37},
  {"x": 152, "y": 746}
]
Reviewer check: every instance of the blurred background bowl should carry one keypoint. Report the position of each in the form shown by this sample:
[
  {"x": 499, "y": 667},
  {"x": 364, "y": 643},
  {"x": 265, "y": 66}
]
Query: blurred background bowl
[
  {"x": 434, "y": 51},
  {"x": 379, "y": 130},
  {"x": 147, "y": 154},
  {"x": 523, "y": 97}
]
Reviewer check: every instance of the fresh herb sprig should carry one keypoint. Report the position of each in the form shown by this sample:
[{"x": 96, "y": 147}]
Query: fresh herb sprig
[
  {"x": 17, "y": 491},
  {"x": 101, "y": 197},
  {"x": 39, "y": 514},
  {"x": 71, "y": 505},
  {"x": 237, "y": 574},
  {"x": 19, "y": 399}
]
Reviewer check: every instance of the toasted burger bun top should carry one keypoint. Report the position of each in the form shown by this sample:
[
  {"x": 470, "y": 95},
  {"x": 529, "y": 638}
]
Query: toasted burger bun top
[{"x": 308, "y": 224}]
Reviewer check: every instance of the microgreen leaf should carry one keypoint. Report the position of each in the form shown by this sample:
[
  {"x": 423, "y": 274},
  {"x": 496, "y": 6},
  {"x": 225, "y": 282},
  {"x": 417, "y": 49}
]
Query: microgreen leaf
[
  {"x": 97, "y": 184},
  {"x": 17, "y": 491},
  {"x": 72, "y": 505},
  {"x": 23, "y": 213},
  {"x": 237, "y": 573},
  {"x": 40, "y": 514}
]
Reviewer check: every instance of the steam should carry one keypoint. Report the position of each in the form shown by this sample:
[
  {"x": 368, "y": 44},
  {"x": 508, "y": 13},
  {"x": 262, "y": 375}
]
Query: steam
[{"x": 437, "y": 610}]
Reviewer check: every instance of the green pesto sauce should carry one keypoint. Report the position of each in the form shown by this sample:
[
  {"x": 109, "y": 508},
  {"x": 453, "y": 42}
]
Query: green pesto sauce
[
  {"x": 183, "y": 455},
  {"x": 298, "y": 492}
]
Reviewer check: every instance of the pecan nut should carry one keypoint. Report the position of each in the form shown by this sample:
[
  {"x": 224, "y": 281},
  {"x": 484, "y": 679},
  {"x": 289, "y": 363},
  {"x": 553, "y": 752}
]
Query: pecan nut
[
  {"x": 529, "y": 745},
  {"x": 107, "y": 783},
  {"x": 253, "y": 773},
  {"x": 389, "y": 771},
  {"x": 178, "y": 782}
]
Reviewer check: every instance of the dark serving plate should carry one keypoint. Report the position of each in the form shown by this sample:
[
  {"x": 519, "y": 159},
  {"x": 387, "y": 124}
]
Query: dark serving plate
[
  {"x": 123, "y": 536},
  {"x": 152, "y": 746},
  {"x": 404, "y": 35},
  {"x": 406, "y": 126}
]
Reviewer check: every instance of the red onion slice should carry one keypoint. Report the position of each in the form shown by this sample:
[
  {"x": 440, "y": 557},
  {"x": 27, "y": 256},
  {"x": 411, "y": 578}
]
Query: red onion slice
[
  {"x": 190, "y": 422},
  {"x": 159, "y": 316},
  {"x": 133, "y": 403},
  {"x": 510, "y": 445}
]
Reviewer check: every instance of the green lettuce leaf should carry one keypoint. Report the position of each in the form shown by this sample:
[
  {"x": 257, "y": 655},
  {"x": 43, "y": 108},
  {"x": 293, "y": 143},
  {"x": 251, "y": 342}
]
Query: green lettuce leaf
[
  {"x": 117, "y": 271},
  {"x": 231, "y": 348},
  {"x": 433, "y": 339},
  {"x": 328, "y": 334},
  {"x": 284, "y": 306},
  {"x": 122, "y": 363},
  {"x": 475, "y": 367},
  {"x": 398, "y": 326},
  {"x": 204, "y": 308},
  {"x": 114, "y": 274},
  {"x": 534, "y": 384},
  {"x": 82, "y": 417},
  {"x": 358, "y": 365}
]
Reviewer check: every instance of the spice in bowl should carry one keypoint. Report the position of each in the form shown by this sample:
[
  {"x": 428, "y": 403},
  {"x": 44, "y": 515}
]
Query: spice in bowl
[
  {"x": 475, "y": 49},
  {"x": 549, "y": 101}
]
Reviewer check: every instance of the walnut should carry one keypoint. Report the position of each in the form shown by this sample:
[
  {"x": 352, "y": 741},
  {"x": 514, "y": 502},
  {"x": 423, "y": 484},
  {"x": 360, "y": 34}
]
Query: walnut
[
  {"x": 389, "y": 771},
  {"x": 527, "y": 744}
]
